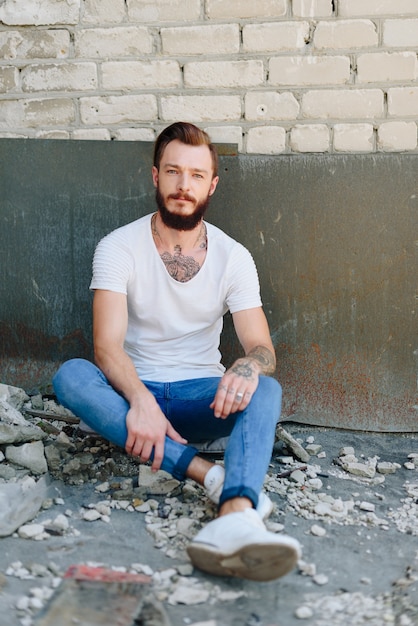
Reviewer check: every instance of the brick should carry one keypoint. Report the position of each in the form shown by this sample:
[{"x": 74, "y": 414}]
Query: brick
[
  {"x": 386, "y": 66},
  {"x": 103, "y": 11},
  {"x": 111, "y": 110},
  {"x": 312, "y": 8},
  {"x": 353, "y": 137},
  {"x": 134, "y": 134},
  {"x": 113, "y": 42},
  {"x": 13, "y": 135},
  {"x": 309, "y": 138},
  {"x": 270, "y": 105},
  {"x": 52, "y": 134},
  {"x": 9, "y": 77},
  {"x": 219, "y": 9},
  {"x": 216, "y": 39},
  {"x": 403, "y": 101},
  {"x": 39, "y": 12},
  {"x": 96, "y": 134},
  {"x": 163, "y": 10},
  {"x": 62, "y": 77},
  {"x": 35, "y": 44},
  {"x": 275, "y": 36},
  {"x": 36, "y": 113},
  {"x": 311, "y": 70},
  {"x": 201, "y": 108},
  {"x": 226, "y": 134},
  {"x": 266, "y": 140},
  {"x": 400, "y": 33},
  {"x": 221, "y": 74},
  {"x": 345, "y": 34},
  {"x": 343, "y": 104},
  {"x": 358, "y": 8},
  {"x": 139, "y": 75},
  {"x": 397, "y": 136}
]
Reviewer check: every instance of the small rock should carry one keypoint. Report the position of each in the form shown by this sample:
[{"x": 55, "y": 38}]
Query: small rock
[
  {"x": 367, "y": 506},
  {"x": 188, "y": 595},
  {"x": 304, "y": 612},
  {"x": 320, "y": 579},
  {"x": 31, "y": 531},
  {"x": 318, "y": 531},
  {"x": 91, "y": 515},
  {"x": 297, "y": 477}
]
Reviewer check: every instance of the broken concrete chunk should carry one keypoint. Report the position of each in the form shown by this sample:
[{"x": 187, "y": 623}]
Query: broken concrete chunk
[
  {"x": 385, "y": 467},
  {"x": 292, "y": 444},
  {"x": 346, "y": 450},
  {"x": 313, "y": 449},
  {"x": 360, "y": 469},
  {"x": 29, "y": 455},
  {"x": 12, "y": 433},
  {"x": 14, "y": 396},
  {"x": 20, "y": 502}
]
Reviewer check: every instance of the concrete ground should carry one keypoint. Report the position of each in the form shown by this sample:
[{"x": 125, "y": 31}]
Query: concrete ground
[{"x": 360, "y": 566}]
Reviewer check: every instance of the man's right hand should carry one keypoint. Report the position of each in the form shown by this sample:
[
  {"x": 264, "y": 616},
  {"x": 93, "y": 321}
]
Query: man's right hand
[{"x": 147, "y": 429}]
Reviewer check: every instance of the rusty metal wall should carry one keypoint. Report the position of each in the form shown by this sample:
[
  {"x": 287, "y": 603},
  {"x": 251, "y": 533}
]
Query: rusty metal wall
[{"x": 334, "y": 237}]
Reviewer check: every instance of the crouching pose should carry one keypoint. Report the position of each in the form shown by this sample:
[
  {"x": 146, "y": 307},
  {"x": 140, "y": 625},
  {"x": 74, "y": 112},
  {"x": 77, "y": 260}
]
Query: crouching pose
[{"x": 162, "y": 285}]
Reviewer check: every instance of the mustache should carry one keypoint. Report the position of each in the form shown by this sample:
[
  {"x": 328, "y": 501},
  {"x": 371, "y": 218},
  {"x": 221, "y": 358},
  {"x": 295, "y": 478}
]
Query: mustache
[{"x": 182, "y": 196}]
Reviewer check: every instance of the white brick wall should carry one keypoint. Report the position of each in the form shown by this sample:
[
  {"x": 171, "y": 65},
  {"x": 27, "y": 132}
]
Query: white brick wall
[{"x": 272, "y": 76}]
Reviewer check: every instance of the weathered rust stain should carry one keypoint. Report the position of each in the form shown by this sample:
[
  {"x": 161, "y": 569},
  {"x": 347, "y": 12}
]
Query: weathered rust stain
[
  {"x": 346, "y": 393},
  {"x": 29, "y": 358}
]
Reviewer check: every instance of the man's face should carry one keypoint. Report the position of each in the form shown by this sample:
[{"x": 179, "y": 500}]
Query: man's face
[{"x": 184, "y": 184}]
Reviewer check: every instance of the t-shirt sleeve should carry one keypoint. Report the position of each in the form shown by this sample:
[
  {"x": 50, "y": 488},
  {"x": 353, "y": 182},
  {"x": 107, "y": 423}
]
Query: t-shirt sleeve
[
  {"x": 112, "y": 264},
  {"x": 243, "y": 284}
]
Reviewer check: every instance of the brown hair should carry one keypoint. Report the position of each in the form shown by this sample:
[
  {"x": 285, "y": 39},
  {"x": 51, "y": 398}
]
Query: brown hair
[{"x": 187, "y": 133}]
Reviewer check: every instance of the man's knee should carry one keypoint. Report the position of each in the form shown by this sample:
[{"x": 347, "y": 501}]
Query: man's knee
[{"x": 68, "y": 373}]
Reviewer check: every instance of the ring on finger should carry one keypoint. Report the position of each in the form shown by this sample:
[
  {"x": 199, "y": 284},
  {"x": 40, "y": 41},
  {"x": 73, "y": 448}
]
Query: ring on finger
[{"x": 239, "y": 396}]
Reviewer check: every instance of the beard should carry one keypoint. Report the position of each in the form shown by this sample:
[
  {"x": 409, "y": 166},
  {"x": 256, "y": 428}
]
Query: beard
[{"x": 176, "y": 220}]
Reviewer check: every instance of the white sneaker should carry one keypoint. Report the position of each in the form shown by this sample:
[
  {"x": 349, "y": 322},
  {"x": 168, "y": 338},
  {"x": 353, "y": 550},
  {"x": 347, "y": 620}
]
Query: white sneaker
[
  {"x": 239, "y": 545},
  {"x": 214, "y": 487}
]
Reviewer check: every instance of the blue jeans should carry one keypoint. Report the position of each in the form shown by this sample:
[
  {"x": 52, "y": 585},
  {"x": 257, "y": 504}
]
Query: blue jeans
[{"x": 82, "y": 387}]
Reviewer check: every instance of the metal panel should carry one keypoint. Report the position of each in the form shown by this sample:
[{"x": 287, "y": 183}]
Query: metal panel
[{"x": 334, "y": 238}]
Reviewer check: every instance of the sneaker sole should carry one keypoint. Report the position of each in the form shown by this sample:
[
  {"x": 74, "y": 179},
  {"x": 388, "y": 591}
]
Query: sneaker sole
[{"x": 258, "y": 561}]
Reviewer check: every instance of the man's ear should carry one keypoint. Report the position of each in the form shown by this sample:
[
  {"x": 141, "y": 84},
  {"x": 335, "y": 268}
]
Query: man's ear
[
  {"x": 155, "y": 176},
  {"x": 213, "y": 184}
]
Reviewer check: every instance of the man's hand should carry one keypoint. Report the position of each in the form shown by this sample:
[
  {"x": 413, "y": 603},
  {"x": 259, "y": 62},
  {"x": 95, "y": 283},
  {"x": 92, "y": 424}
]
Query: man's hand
[
  {"x": 147, "y": 428},
  {"x": 236, "y": 387}
]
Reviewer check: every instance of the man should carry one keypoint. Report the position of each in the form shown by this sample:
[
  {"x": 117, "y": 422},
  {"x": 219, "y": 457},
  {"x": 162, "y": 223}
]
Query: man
[{"x": 161, "y": 287}]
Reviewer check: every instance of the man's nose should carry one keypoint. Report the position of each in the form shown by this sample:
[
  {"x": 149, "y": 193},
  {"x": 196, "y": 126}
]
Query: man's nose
[{"x": 184, "y": 182}]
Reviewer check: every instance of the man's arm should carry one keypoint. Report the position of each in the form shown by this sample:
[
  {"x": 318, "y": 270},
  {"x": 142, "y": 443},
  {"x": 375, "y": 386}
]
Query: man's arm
[
  {"x": 242, "y": 377},
  {"x": 147, "y": 425}
]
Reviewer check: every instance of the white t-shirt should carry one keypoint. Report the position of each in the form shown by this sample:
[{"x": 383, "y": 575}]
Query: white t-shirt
[{"x": 173, "y": 327}]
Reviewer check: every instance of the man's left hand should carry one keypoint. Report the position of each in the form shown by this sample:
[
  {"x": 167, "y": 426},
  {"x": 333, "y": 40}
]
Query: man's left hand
[{"x": 236, "y": 388}]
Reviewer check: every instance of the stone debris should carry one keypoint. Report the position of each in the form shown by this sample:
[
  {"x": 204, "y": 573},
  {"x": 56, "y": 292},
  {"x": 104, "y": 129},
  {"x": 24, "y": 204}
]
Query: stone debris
[
  {"x": 348, "y": 609},
  {"x": 173, "y": 512}
]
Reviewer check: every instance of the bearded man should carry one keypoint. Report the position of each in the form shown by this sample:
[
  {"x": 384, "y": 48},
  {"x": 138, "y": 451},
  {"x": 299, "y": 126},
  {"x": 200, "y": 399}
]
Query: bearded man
[{"x": 162, "y": 285}]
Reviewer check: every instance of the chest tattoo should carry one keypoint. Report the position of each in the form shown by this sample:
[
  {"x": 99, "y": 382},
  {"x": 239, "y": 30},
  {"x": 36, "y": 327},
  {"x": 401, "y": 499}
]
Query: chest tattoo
[{"x": 180, "y": 267}]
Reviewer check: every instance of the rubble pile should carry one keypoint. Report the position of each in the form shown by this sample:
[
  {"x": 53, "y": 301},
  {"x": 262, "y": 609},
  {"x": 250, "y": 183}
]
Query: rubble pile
[{"x": 41, "y": 442}]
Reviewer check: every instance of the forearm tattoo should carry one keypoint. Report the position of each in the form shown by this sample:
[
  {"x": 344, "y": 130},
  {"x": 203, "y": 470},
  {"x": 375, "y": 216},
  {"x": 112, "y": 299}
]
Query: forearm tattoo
[
  {"x": 266, "y": 362},
  {"x": 264, "y": 358}
]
